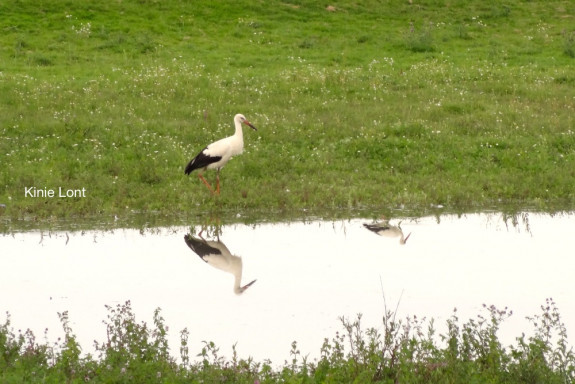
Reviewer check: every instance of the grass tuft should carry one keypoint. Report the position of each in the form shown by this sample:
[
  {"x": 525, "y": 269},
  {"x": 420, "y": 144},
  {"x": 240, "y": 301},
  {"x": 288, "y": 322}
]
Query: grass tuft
[{"x": 420, "y": 39}]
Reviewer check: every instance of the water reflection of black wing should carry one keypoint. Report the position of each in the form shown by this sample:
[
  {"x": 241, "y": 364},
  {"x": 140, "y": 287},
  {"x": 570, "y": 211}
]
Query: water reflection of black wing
[
  {"x": 202, "y": 248},
  {"x": 216, "y": 254},
  {"x": 377, "y": 227}
]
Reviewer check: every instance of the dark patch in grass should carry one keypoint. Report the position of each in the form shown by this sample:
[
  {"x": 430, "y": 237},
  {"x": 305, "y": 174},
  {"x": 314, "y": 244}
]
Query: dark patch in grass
[
  {"x": 308, "y": 43},
  {"x": 497, "y": 11},
  {"x": 569, "y": 43},
  {"x": 41, "y": 60},
  {"x": 363, "y": 39},
  {"x": 565, "y": 80}
]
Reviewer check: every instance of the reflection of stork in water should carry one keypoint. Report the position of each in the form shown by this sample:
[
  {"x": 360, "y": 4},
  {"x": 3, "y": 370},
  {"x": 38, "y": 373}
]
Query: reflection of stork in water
[
  {"x": 383, "y": 228},
  {"x": 216, "y": 254}
]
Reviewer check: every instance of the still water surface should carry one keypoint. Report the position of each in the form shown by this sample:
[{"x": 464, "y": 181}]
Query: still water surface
[{"x": 307, "y": 275}]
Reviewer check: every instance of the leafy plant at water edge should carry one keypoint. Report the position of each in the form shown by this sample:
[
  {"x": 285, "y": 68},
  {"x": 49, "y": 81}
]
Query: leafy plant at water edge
[
  {"x": 403, "y": 350},
  {"x": 547, "y": 350},
  {"x": 134, "y": 350}
]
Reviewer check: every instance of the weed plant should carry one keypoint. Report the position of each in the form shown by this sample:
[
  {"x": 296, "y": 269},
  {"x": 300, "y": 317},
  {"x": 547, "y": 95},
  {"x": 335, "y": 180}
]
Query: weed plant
[
  {"x": 358, "y": 105},
  {"x": 400, "y": 350}
]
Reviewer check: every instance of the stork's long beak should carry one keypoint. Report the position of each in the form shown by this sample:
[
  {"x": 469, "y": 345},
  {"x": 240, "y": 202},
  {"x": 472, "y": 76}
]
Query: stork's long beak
[
  {"x": 255, "y": 129},
  {"x": 242, "y": 289},
  {"x": 407, "y": 237}
]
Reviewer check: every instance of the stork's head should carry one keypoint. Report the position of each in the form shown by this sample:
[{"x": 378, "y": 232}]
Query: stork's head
[{"x": 241, "y": 119}]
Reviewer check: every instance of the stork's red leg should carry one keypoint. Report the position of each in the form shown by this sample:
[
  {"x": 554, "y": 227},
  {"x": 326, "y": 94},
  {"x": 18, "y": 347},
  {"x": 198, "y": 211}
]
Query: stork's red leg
[
  {"x": 206, "y": 183},
  {"x": 218, "y": 182}
]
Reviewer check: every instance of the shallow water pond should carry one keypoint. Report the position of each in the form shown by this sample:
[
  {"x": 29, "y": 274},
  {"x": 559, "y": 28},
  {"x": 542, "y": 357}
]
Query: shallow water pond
[{"x": 307, "y": 275}]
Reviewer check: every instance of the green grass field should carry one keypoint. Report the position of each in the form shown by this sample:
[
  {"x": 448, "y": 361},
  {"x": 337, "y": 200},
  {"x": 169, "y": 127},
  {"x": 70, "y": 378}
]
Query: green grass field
[{"x": 358, "y": 104}]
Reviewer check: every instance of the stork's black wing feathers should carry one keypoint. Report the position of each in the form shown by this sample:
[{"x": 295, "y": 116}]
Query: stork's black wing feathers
[
  {"x": 376, "y": 227},
  {"x": 201, "y": 161},
  {"x": 200, "y": 247}
]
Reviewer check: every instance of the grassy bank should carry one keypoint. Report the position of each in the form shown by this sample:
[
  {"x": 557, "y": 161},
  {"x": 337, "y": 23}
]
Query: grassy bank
[
  {"x": 358, "y": 105},
  {"x": 401, "y": 350}
]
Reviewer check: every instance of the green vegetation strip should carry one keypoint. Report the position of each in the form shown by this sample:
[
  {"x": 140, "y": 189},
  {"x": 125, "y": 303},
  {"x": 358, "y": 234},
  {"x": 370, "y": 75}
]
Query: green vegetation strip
[
  {"x": 400, "y": 351},
  {"x": 358, "y": 105}
]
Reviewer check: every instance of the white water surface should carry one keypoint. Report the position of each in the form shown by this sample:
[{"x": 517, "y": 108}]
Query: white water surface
[{"x": 308, "y": 275}]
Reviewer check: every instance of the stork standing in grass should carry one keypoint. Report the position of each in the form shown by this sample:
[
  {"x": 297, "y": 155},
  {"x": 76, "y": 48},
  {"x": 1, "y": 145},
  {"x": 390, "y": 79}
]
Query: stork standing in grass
[{"x": 217, "y": 154}]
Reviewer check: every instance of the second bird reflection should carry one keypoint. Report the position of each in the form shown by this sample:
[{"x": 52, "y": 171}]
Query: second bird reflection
[
  {"x": 216, "y": 254},
  {"x": 385, "y": 229}
]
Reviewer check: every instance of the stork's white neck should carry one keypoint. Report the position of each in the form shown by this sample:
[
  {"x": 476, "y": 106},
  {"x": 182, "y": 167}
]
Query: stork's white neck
[
  {"x": 237, "y": 283},
  {"x": 238, "y": 139},
  {"x": 239, "y": 130},
  {"x": 236, "y": 267}
]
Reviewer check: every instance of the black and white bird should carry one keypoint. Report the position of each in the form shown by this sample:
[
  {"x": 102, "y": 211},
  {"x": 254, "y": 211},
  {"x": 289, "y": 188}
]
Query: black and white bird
[
  {"x": 383, "y": 228},
  {"x": 217, "y": 154},
  {"x": 216, "y": 254}
]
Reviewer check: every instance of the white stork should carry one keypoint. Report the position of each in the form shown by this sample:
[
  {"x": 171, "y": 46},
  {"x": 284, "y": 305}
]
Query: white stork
[
  {"x": 217, "y": 154},
  {"x": 383, "y": 228},
  {"x": 216, "y": 254}
]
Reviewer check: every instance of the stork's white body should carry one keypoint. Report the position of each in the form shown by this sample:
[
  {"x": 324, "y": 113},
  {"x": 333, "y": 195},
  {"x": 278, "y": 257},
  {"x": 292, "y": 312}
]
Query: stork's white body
[{"x": 225, "y": 148}]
